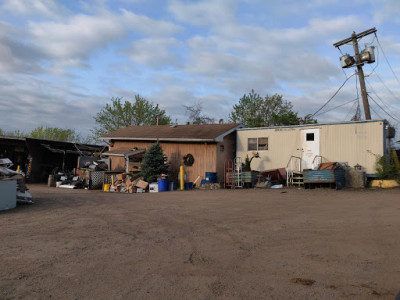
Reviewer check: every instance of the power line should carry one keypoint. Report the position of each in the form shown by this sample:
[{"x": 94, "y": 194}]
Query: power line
[
  {"x": 386, "y": 58},
  {"x": 383, "y": 109},
  {"x": 378, "y": 96},
  {"x": 333, "y": 94},
  {"x": 324, "y": 112},
  {"x": 352, "y": 108},
  {"x": 390, "y": 91},
  {"x": 376, "y": 113}
]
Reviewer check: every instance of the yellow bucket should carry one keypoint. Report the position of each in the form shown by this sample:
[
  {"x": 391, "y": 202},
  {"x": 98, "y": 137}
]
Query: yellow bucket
[{"x": 106, "y": 187}]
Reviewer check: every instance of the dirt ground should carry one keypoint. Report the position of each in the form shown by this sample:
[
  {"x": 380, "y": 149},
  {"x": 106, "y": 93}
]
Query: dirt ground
[{"x": 224, "y": 244}]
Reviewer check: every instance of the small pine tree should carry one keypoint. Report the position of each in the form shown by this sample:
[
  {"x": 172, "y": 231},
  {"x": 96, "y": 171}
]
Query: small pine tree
[
  {"x": 153, "y": 163},
  {"x": 246, "y": 165}
]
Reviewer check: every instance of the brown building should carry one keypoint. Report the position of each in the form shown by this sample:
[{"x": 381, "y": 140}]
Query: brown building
[{"x": 210, "y": 145}]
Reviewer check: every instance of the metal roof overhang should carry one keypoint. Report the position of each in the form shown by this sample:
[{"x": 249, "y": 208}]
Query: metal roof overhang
[
  {"x": 160, "y": 139},
  {"x": 126, "y": 154}
]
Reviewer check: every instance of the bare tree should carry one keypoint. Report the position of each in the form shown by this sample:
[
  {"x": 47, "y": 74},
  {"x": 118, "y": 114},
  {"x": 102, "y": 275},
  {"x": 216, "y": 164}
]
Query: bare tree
[{"x": 195, "y": 114}]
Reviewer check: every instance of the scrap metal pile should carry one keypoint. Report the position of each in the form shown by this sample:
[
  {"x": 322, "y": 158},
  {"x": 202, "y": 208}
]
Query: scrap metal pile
[{"x": 23, "y": 196}]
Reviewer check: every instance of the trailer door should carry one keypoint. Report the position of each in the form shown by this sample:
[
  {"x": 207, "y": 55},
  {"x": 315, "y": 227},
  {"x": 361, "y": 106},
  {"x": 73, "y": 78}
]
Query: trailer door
[{"x": 310, "y": 147}]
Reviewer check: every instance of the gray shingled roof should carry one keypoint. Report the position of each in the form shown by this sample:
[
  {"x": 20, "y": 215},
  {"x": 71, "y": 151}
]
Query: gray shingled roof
[{"x": 207, "y": 132}]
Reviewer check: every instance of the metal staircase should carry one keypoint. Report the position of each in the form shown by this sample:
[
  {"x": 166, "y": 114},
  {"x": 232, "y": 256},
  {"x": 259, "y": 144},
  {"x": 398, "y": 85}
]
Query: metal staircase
[
  {"x": 294, "y": 174},
  {"x": 294, "y": 170}
]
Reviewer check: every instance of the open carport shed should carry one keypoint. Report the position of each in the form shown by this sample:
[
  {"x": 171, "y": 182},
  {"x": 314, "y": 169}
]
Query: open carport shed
[{"x": 39, "y": 157}]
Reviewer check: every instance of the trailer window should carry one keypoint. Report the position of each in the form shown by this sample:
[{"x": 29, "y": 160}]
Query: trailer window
[
  {"x": 257, "y": 144},
  {"x": 309, "y": 136},
  {"x": 262, "y": 143},
  {"x": 252, "y": 144}
]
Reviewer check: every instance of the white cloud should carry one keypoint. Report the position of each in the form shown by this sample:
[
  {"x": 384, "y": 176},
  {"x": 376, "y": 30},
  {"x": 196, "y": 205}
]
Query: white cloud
[
  {"x": 16, "y": 56},
  {"x": 148, "y": 26},
  {"x": 78, "y": 37},
  {"x": 387, "y": 9},
  {"x": 60, "y": 61},
  {"x": 75, "y": 39},
  {"x": 39, "y": 102},
  {"x": 205, "y": 12},
  {"x": 43, "y": 8},
  {"x": 174, "y": 98},
  {"x": 153, "y": 52},
  {"x": 249, "y": 57}
]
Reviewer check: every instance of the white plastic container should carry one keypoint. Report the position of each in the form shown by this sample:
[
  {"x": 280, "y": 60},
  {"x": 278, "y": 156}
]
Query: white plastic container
[
  {"x": 153, "y": 187},
  {"x": 8, "y": 192}
]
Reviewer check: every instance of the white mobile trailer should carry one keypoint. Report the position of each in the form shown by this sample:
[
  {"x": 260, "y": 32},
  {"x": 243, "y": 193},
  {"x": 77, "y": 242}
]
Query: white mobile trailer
[{"x": 353, "y": 142}]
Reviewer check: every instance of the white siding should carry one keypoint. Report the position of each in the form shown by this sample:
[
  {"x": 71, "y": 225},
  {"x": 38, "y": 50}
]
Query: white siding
[{"x": 353, "y": 143}]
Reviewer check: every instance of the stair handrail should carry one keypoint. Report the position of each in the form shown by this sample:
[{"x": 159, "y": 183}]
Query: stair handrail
[
  {"x": 294, "y": 161},
  {"x": 317, "y": 161}
]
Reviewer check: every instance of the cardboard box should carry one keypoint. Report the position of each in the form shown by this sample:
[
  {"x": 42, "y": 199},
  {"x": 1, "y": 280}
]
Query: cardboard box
[
  {"x": 142, "y": 184},
  {"x": 128, "y": 182}
]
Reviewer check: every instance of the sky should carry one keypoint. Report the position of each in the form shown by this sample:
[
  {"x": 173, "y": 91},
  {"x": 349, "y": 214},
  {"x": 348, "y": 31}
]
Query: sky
[{"x": 62, "y": 61}]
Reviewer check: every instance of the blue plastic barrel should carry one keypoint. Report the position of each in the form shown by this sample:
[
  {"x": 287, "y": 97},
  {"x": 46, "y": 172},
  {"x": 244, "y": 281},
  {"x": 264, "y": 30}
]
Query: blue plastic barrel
[
  {"x": 171, "y": 186},
  {"x": 211, "y": 177},
  {"x": 188, "y": 185},
  {"x": 162, "y": 185}
]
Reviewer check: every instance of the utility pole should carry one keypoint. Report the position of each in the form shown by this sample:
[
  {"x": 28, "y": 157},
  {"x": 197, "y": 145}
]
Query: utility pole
[{"x": 354, "y": 38}]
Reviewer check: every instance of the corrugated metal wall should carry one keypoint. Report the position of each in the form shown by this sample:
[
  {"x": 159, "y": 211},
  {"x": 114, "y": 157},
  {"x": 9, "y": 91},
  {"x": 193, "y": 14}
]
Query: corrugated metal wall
[{"x": 354, "y": 143}]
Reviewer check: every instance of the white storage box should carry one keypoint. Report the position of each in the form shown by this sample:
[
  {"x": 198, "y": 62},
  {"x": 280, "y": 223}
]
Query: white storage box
[
  {"x": 153, "y": 187},
  {"x": 8, "y": 192}
]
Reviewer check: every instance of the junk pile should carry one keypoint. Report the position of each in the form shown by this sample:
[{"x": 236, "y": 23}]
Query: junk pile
[
  {"x": 68, "y": 181},
  {"x": 90, "y": 172},
  {"x": 96, "y": 165},
  {"x": 23, "y": 196},
  {"x": 125, "y": 183}
]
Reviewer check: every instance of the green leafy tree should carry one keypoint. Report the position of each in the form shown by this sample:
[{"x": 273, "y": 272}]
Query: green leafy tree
[
  {"x": 51, "y": 133},
  {"x": 120, "y": 114},
  {"x": 256, "y": 111},
  {"x": 17, "y": 133},
  {"x": 56, "y": 134},
  {"x": 153, "y": 163}
]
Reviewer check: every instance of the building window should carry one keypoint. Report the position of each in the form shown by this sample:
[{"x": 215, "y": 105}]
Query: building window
[
  {"x": 257, "y": 144},
  {"x": 309, "y": 136},
  {"x": 262, "y": 143},
  {"x": 221, "y": 148},
  {"x": 252, "y": 144}
]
